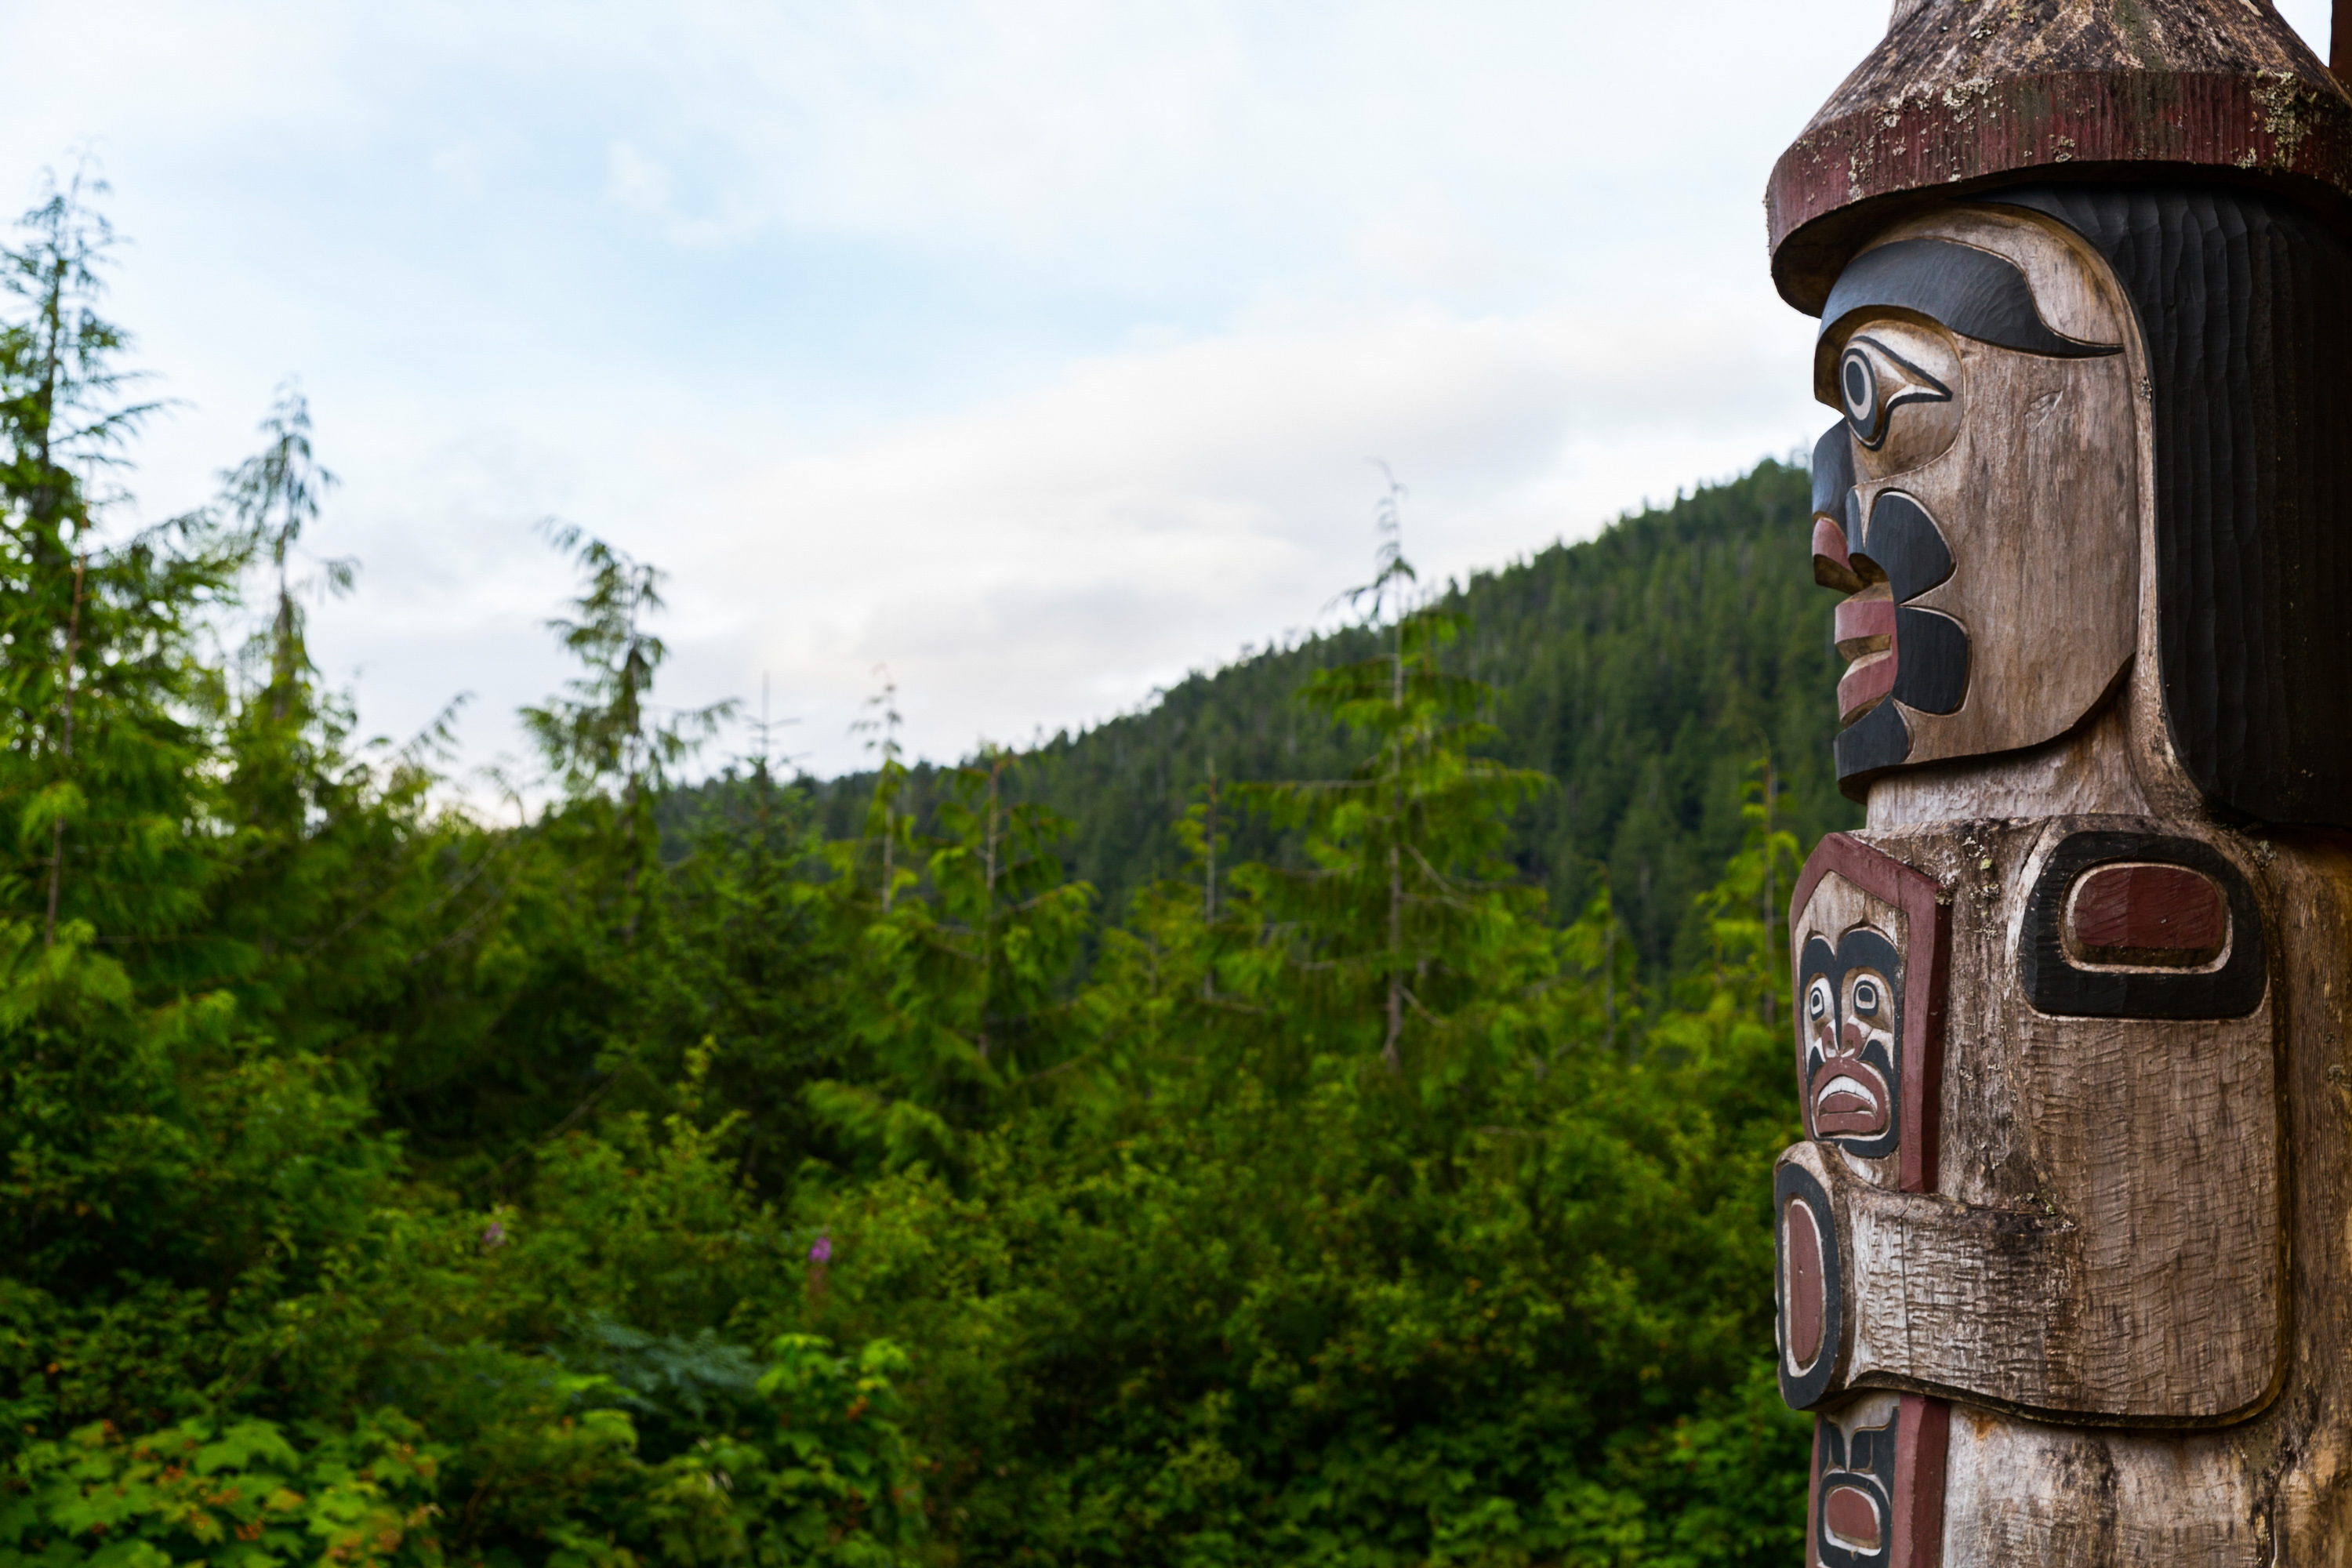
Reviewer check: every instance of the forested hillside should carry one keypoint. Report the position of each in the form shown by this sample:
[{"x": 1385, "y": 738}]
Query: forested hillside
[
  {"x": 1643, "y": 671},
  {"x": 781, "y": 1175}
]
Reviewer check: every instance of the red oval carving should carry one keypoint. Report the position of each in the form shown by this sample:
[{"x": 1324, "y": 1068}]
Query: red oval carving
[
  {"x": 1851, "y": 1514},
  {"x": 2166, "y": 916},
  {"x": 1807, "y": 1303}
]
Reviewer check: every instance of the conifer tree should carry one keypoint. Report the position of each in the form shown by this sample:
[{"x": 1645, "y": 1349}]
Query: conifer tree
[
  {"x": 957, "y": 986},
  {"x": 886, "y": 821},
  {"x": 1405, "y": 922},
  {"x": 1595, "y": 949},
  {"x": 602, "y": 733},
  {"x": 104, "y": 702},
  {"x": 605, "y": 983},
  {"x": 274, "y": 496},
  {"x": 759, "y": 998},
  {"x": 1747, "y": 911}
]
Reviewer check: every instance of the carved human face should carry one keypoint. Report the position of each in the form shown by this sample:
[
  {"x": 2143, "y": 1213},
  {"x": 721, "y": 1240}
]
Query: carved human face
[
  {"x": 1865, "y": 961},
  {"x": 1852, "y": 1028},
  {"x": 1978, "y": 500}
]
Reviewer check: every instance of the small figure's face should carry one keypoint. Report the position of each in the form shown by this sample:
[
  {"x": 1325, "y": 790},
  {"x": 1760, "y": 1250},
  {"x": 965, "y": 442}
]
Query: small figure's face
[
  {"x": 1852, "y": 1024},
  {"x": 1977, "y": 503},
  {"x": 1864, "y": 1064},
  {"x": 1854, "y": 1501}
]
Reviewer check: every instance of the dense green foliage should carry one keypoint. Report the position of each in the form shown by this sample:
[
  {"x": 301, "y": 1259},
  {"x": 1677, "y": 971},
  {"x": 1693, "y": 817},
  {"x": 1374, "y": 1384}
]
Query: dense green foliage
[{"x": 702, "y": 1178}]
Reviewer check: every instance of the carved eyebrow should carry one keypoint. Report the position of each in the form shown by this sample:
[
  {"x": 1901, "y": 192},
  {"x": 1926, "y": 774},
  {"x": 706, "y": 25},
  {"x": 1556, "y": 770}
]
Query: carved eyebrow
[{"x": 1974, "y": 292}]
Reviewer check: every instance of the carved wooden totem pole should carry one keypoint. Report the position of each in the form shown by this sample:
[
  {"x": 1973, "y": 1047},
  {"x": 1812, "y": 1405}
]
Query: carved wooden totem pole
[{"x": 2065, "y": 1257}]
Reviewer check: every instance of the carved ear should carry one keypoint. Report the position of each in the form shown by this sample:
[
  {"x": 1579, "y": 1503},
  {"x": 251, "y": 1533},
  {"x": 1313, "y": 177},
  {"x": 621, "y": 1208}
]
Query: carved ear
[{"x": 2129, "y": 925}]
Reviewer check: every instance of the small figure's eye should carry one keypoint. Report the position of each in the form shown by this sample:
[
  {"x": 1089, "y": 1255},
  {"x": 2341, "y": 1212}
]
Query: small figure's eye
[
  {"x": 1874, "y": 381},
  {"x": 1817, "y": 1000},
  {"x": 1865, "y": 996}
]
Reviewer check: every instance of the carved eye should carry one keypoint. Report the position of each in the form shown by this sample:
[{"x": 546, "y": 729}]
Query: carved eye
[
  {"x": 1874, "y": 381},
  {"x": 1859, "y": 381},
  {"x": 1865, "y": 996},
  {"x": 1817, "y": 1000}
]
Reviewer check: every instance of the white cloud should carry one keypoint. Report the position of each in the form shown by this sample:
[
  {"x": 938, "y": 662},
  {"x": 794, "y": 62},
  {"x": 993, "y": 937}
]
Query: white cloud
[
  {"x": 1048, "y": 558},
  {"x": 638, "y": 183}
]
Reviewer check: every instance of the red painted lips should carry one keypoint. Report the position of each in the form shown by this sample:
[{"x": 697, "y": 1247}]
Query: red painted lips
[
  {"x": 1866, "y": 636},
  {"x": 1848, "y": 1097}
]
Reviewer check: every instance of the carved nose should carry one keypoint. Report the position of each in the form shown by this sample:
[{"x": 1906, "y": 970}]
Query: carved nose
[
  {"x": 1833, "y": 566},
  {"x": 1853, "y": 1039},
  {"x": 1834, "y": 510}
]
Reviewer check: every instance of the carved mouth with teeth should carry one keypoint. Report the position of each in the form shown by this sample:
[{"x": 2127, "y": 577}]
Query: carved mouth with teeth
[
  {"x": 1902, "y": 556},
  {"x": 1848, "y": 1099},
  {"x": 1866, "y": 640}
]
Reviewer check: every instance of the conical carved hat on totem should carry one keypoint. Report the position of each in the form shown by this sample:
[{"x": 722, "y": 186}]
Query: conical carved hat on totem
[{"x": 1962, "y": 96}]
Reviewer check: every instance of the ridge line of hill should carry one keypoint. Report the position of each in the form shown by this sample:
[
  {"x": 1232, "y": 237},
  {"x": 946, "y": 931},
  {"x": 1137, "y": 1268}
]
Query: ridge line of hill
[{"x": 1644, "y": 669}]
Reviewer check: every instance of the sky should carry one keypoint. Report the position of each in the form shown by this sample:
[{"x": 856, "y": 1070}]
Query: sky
[{"x": 1026, "y": 355}]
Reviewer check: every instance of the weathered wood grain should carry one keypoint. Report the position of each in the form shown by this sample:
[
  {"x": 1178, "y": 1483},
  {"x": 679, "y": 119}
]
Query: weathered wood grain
[
  {"x": 1960, "y": 94},
  {"x": 2277, "y": 1487},
  {"x": 2024, "y": 1492},
  {"x": 2103, "y": 1240}
]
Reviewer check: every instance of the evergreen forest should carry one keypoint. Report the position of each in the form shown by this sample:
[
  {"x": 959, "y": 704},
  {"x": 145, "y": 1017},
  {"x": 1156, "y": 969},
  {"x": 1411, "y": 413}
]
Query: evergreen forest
[
  {"x": 1324, "y": 1118},
  {"x": 1644, "y": 672}
]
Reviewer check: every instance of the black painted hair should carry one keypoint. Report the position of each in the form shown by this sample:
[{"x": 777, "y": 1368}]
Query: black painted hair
[{"x": 2245, "y": 303}]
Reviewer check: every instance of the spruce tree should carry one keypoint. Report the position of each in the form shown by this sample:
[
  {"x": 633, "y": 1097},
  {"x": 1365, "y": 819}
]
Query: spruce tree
[{"x": 1405, "y": 925}]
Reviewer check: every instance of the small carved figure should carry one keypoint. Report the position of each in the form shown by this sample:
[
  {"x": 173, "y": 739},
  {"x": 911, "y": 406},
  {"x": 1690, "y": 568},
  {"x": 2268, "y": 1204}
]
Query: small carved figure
[{"x": 1877, "y": 1481}]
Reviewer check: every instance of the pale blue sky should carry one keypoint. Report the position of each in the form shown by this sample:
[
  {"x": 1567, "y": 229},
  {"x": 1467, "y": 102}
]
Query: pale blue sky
[{"x": 1035, "y": 349}]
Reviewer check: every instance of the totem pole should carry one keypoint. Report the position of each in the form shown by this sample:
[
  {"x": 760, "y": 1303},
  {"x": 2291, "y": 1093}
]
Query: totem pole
[{"x": 2065, "y": 1257}]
